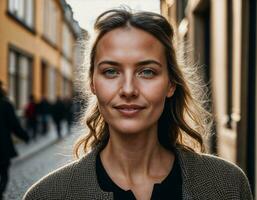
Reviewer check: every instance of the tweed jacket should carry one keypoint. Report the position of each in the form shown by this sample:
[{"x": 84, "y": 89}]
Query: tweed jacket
[{"x": 204, "y": 177}]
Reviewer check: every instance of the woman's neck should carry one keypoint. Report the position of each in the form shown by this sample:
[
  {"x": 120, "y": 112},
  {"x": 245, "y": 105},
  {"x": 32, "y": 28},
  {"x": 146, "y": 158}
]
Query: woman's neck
[{"x": 131, "y": 157}]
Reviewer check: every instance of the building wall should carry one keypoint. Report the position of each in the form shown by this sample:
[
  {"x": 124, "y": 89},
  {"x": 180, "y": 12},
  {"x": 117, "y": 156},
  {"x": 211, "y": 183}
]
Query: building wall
[
  {"x": 222, "y": 35},
  {"x": 226, "y": 100},
  {"x": 226, "y": 137},
  {"x": 37, "y": 46}
]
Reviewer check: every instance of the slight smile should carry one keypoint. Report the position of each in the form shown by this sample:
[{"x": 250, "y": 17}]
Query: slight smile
[{"x": 129, "y": 110}]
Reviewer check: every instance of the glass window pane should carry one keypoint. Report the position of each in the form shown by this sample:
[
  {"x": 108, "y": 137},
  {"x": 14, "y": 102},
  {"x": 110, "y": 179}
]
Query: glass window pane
[
  {"x": 23, "y": 81},
  {"x": 23, "y": 92},
  {"x": 16, "y": 6},
  {"x": 66, "y": 40},
  {"x": 52, "y": 24},
  {"x": 11, "y": 88},
  {"x": 51, "y": 85},
  {"x": 11, "y": 5},
  {"x": 48, "y": 18},
  {"x": 29, "y": 13},
  {"x": 12, "y": 77},
  {"x": 23, "y": 67},
  {"x": 21, "y": 9},
  {"x": 12, "y": 60}
]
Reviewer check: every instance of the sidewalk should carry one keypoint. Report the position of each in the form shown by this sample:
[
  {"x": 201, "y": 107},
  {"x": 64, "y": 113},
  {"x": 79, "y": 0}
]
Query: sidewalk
[{"x": 41, "y": 142}]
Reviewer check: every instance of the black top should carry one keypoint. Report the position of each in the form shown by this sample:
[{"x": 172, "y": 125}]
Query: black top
[{"x": 169, "y": 188}]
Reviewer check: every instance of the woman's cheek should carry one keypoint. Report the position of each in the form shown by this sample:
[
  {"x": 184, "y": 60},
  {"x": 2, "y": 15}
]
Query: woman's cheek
[
  {"x": 105, "y": 90},
  {"x": 155, "y": 91}
]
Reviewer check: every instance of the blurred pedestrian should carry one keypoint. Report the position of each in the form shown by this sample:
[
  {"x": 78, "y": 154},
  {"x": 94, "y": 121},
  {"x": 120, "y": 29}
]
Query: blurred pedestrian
[
  {"x": 58, "y": 113},
  {"x": 43, "y": 114},
  {"x": 9, "y": 123},
  {"x": 69, "y": 112},
  {"x": 30, "y": 114},
  {"x": 145, "y": 127}
]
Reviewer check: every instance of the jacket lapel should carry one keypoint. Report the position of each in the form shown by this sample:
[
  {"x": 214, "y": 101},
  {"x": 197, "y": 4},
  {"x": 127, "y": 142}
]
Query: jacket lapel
[{"x": 189, "y": 185}]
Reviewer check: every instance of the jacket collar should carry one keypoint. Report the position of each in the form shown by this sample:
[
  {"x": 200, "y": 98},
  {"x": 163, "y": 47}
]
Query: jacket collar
[{"x": 186, "y": 162}]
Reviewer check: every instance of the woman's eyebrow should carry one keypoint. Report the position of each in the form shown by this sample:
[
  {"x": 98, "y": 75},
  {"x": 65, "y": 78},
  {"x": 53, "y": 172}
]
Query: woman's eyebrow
[
  {"x": 144, "y": 62},
  {"x": 108, "y": 62},
  {"x": 147, "y": 62}
]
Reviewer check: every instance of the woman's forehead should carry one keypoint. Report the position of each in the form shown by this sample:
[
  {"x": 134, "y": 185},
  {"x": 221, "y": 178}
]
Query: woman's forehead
[{"x": 129, "y": 41}]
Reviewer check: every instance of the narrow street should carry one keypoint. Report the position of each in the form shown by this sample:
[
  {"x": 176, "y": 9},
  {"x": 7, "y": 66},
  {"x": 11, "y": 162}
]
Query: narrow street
[{"x": 27, "y": 171}]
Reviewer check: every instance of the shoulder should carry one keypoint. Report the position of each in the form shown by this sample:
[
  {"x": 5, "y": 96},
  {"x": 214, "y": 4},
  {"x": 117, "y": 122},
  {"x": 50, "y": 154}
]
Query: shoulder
[
  {"x": 210, "y": 165},
  {"x": 219, "y": 165},
  {"x": 214, "y": 174},
  {"x": 52, "y": 185},
  {"x": 6, "y": 103},
  {"x": 7, "y": 107},
  {"x": 63, "y": 181}
]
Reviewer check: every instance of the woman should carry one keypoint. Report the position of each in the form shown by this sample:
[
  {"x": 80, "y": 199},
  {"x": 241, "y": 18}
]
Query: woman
[{"x": 145, "y": 126}]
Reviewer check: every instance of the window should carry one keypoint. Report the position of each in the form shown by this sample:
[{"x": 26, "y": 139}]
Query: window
[
  {"x": 230, "y": 37},
  {"x": 29, "y": 16},
  {"x": 66, "y": 41},
  {"x": 66, "y": 87},
  {"x": 50, "y": 17},
  {"x": 24, "y": 65},
  {"x": 23, "y": 10},
  {"x": 51, "y": 84},
  {"x": 44, "y": 78},
  {"x": 12, "y": 76},
  {"x": 20, "y": 79},
  {"x": 181, "y": 7}
]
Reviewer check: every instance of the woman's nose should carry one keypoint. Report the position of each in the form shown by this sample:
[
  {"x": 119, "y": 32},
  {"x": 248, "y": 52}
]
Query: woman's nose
[{"x": 129, "y": 87}]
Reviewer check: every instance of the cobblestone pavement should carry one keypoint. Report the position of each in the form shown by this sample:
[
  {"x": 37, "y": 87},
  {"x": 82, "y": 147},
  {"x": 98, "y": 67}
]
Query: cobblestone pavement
[{"x": 23, "y": 174}]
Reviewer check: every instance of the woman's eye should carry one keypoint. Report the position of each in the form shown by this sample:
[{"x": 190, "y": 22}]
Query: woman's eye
[
  {"x": 110, "y": 73},
  {"x": 147, "y": 73}
]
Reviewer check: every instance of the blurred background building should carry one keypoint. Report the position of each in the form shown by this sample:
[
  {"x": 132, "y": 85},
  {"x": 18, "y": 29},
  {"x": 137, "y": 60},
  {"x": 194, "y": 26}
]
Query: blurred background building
[
  {"x": 38, "y": 49},
  {"x": 222, "y": 35}
]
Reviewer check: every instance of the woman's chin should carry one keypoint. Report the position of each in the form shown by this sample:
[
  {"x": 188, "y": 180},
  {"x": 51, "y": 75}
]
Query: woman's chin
[{"x": 129, "y": 128}]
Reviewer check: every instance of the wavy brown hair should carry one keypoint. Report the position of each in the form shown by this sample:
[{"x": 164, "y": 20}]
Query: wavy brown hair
[{"x": 184, "y": 120}]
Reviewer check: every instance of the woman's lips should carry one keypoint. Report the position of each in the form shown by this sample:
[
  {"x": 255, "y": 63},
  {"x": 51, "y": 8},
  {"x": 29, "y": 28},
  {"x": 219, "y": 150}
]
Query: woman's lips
[{"x": 129, "y": 110}]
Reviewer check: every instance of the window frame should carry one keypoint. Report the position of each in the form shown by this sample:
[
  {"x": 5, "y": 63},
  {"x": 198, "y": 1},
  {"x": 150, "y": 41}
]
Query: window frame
[
  {"x": 22, "y": 21},
  {"x": 19, "y": 53}
]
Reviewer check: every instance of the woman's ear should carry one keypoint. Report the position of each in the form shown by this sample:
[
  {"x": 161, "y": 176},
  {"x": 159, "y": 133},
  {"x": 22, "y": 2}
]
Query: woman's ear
[
  {"x": 171, "y": 90},
  {"x": 92, "y": 87}
]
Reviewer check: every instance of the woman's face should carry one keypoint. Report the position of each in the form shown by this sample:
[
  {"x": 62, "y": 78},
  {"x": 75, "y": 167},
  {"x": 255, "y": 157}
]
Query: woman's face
[{"x": 130, "y": 80}]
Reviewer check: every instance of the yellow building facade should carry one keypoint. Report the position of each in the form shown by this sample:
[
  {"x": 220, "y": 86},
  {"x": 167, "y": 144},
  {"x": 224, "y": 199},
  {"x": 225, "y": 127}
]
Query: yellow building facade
[
  {"x": 220, "y": 35},
  {"x": 37, "y": 49}
]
